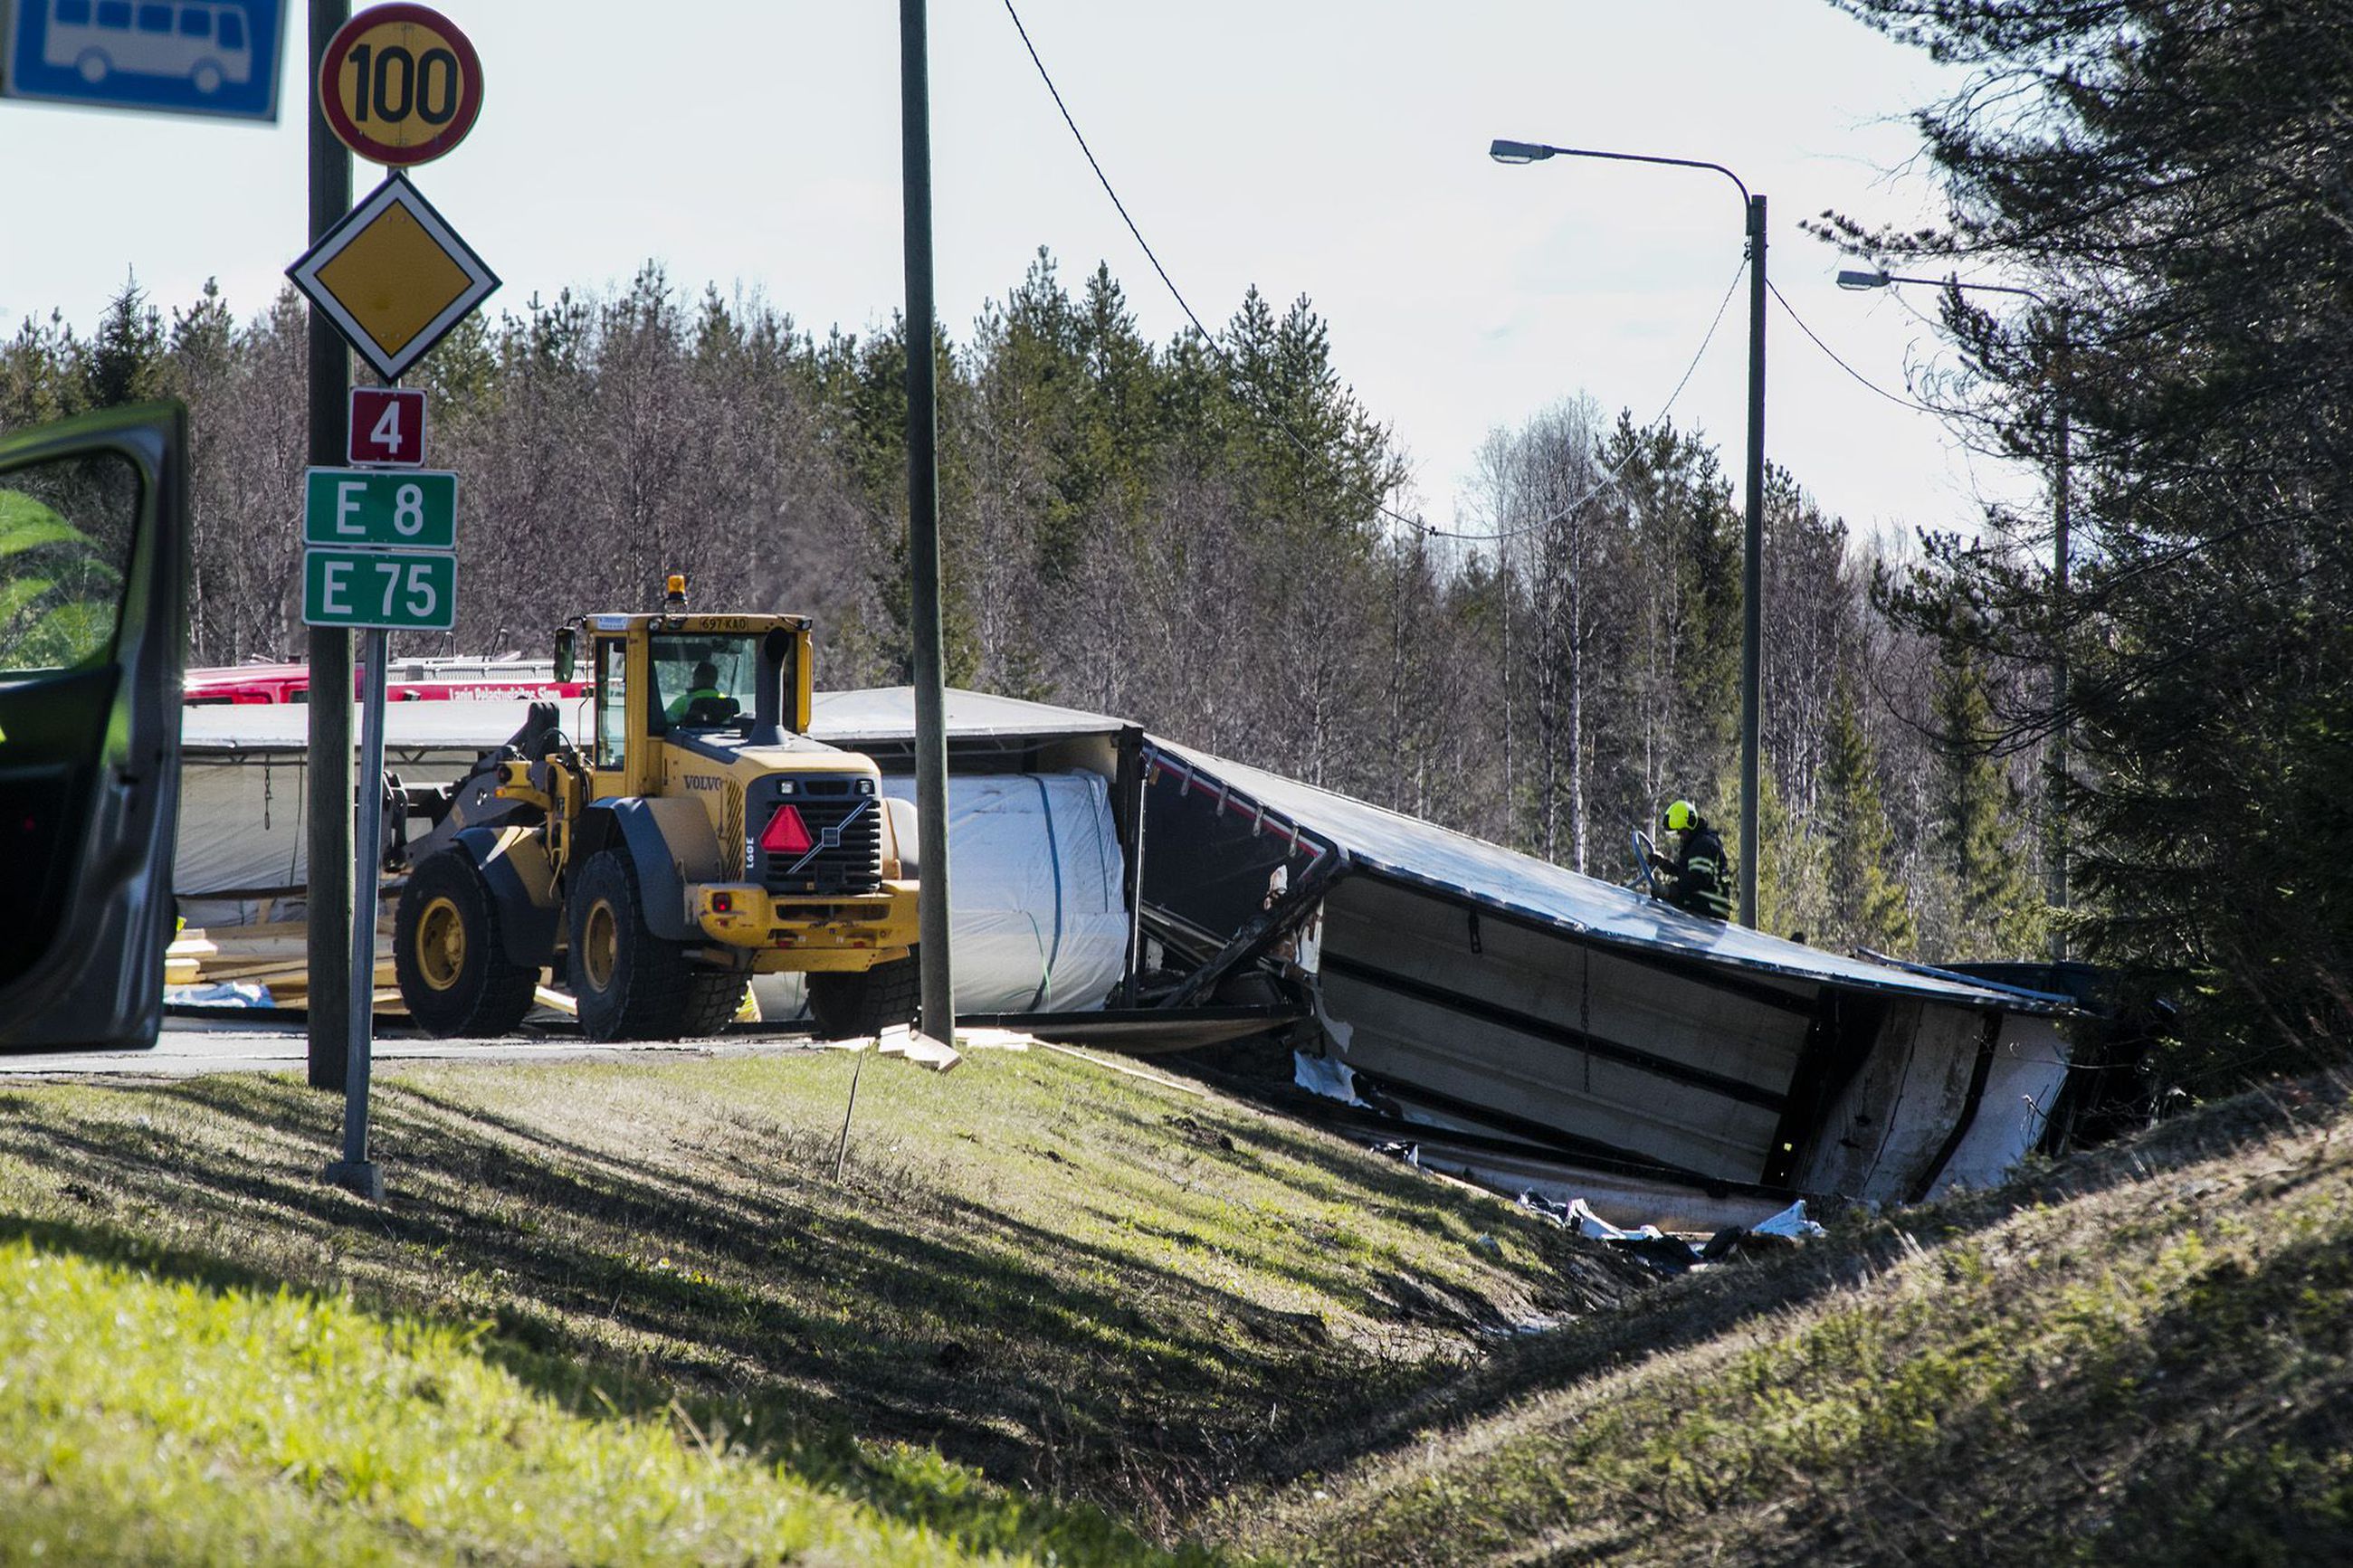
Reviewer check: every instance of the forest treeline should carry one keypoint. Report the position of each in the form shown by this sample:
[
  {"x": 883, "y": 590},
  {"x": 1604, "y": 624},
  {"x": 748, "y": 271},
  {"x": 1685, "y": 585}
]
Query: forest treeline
[
  {"x": 1210, "y": 539},
  {"x": 2168, "y": 178}
]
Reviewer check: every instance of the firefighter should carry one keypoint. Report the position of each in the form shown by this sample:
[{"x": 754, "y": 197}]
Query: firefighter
[{"x": 1695, "y": 876}]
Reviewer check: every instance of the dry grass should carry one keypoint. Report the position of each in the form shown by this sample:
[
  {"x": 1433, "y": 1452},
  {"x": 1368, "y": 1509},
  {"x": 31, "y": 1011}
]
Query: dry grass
[{"x": 2144, "y": 1355}]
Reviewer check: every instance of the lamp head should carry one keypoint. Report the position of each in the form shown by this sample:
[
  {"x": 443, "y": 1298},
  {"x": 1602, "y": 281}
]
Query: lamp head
[
  {"x": 1517, "y": 151},
  {"x": 1849, "y": 279}
]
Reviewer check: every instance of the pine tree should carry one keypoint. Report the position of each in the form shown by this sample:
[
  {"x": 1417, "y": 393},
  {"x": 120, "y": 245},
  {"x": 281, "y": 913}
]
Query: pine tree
[
  {"x": 1978, "y": 810},
  {"x": 123, "y": 361},
  {"x": 2170, "y": 180},
  {"x": 37, "y": 383},
  {"x": 1868, "y": 906},
  {"x": 1793, "y": 878}
]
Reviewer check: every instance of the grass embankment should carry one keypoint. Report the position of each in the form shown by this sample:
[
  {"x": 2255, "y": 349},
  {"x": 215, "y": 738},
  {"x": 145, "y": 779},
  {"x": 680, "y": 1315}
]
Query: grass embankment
[
  {"x": 2141, "y": 1355},
  {"x": 626, "y": 1312}
]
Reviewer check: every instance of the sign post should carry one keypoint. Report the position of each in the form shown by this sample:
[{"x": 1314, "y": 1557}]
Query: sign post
[
  {"x": 380, "y": 555},
  {"x": 399, "y": 85},
  {"x": 355, "y": 1170},
  {"x": 327, "y": 808}
]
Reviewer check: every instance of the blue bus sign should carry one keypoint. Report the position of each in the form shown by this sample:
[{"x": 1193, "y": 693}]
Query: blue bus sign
[{"x": 217, "y": 58}]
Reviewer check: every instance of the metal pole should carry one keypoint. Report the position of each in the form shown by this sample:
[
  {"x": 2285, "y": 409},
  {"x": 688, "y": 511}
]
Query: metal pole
[
  {"x": 1751, "y": 568},
  {"x": 924, "y": 527},
  {"x": 1135, "y": 896},
  {"x": 354, "y": 1170},
  {"x": 328, "y": 810},
  {"x": 2059, "y": 552}
]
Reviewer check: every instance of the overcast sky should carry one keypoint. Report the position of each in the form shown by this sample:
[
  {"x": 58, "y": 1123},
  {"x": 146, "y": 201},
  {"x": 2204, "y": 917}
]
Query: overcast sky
[{"x": 1334, "y": 150}]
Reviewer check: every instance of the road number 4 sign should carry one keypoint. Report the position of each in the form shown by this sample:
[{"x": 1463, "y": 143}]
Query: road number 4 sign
[{"x": 387, "y": 427}]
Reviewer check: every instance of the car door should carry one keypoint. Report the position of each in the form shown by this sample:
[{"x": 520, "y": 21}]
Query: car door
[{"x": 93, "y": 633}]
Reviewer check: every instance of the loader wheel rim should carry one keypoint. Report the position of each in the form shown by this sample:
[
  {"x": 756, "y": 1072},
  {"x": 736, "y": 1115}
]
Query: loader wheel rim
[
  {"x": 441, "y": 943},
  {"x": 600, "y": 944}
]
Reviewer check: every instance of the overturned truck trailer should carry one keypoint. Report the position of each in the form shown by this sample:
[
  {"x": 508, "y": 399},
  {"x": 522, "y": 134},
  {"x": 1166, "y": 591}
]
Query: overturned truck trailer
[{"x": 1688, "y": 1069}]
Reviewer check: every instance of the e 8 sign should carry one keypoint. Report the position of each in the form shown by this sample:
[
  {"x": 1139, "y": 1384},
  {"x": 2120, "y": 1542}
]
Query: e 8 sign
[{"x": 400, "y": 84}]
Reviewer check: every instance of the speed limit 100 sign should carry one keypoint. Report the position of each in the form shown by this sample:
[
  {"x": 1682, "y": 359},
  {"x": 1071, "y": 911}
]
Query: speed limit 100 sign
[{"x": 400, "y": 84}]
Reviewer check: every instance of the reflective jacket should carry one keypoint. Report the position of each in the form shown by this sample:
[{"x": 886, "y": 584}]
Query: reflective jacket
[{"x": 1697, "y": 878}]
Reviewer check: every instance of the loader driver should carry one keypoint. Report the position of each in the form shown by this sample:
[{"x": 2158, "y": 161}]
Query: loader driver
[
  {"x": 704, "y": 689},
  {"x": 1694, "y": 878}
]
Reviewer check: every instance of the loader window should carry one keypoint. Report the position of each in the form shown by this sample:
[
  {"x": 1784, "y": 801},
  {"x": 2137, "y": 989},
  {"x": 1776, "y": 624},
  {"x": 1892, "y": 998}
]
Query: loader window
[
  {"x": 612, "y": 702},
  {"x": 702, "y": 681}
]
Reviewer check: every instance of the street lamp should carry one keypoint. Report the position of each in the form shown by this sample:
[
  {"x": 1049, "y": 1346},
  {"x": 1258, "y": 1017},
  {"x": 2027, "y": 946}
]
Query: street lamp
[
  {"x": 1849, "y": 279},
  {"x": 1752, "y": 583}
]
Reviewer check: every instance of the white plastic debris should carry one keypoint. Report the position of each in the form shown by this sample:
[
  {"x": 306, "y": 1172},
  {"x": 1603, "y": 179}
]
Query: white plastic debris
[
  {"x": 219, "y": 993},
  {"x": 1790, "y": 1221},
  {"x": 1327, "y": 1076}
]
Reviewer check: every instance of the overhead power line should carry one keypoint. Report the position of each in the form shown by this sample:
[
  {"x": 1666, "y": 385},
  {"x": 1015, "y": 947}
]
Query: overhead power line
[
  {"x": 1791, "y": 310},
  {"x": 1104, "y": 179},
  {"x": 1208, "y": 338},
  {"x": 1227, "y": 359},
  {"x": 1610, "y": 480}
]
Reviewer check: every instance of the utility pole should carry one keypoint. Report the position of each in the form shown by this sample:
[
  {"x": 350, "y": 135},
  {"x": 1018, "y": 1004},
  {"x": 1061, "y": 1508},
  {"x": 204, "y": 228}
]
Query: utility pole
[
  {"x": 1752, "y": 571},
  {"x": 924, "y": 531},
  {"x": 328, "y": 809},
  {"x": 2055, "y": 786}
]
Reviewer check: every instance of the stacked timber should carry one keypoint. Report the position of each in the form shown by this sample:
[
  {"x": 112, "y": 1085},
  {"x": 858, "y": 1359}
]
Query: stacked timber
[{"x": 271, "y": 953}]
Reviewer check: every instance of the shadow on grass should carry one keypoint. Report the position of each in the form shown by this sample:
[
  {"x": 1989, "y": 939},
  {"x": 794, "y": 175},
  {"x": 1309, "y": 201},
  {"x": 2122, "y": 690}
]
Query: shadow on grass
[
  {"x": 1703, "y": 1307},
  {"x": 791, "y": 1312}
]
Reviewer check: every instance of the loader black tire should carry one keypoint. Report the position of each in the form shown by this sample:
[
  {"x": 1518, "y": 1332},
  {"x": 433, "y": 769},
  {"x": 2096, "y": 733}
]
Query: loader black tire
[
  {"x": 447, "y": 953},
  {"x": 630, "y": 984},
  {"x": 847, "y": 1007}
]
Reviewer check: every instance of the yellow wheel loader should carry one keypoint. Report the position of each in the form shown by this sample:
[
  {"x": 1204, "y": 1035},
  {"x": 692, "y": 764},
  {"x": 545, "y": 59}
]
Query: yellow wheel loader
[{"x": 694, "y": 837}]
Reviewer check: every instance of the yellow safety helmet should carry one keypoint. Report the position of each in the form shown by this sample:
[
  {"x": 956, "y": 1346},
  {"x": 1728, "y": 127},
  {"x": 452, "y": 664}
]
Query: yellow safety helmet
[{"x": 1681, "y": 816}]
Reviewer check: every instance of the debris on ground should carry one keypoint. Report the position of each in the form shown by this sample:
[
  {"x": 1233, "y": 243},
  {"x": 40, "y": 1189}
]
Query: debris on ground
[{"x": 1664, "y": 1254}]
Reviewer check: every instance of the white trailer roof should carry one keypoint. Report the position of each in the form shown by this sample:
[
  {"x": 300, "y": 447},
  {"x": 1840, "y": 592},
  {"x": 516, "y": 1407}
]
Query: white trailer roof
[
  {"x": 1425, "y": 855},
  {"x": 877, "y": 713}
]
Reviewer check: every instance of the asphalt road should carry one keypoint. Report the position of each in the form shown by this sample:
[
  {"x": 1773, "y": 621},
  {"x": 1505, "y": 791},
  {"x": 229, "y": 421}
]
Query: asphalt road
[{"x": 193, "y": 1047}]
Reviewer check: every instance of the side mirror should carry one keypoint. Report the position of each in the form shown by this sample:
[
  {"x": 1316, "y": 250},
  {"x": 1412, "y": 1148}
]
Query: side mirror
[{"x": 564, "y": 660}]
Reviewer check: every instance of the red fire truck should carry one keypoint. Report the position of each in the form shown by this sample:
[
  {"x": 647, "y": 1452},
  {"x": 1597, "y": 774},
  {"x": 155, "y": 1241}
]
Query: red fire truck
[{"x": 406, "y": 680}]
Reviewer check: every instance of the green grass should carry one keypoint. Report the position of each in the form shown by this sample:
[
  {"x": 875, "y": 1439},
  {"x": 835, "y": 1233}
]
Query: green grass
[
  {"x": 147, "y": 1419},
  {"x": 2141, "y": 1356},
  {"x": 624, "y": 1313}
]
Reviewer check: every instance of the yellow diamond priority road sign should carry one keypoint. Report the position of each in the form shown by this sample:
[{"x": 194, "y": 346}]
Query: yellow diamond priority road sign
[{"x": 393, "y": 277}]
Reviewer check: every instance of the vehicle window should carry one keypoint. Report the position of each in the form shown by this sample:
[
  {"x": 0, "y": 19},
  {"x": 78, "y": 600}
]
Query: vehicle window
[
  {"x": 703, "y": 681},
  {"x": 73, "y": 13},
  {"x": 114, "y": 13},
  {"x": 195, "y": 22},
  {"x": 232, "y": 29},
  {"x": 154, "y": 18},
  {"x": 612, "y": 703},
  {"x": 65, "y": 543}
]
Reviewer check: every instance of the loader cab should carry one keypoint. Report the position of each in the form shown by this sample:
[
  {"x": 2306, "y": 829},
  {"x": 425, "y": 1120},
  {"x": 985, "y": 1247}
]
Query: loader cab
[{"x": 713, "y": 679}]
